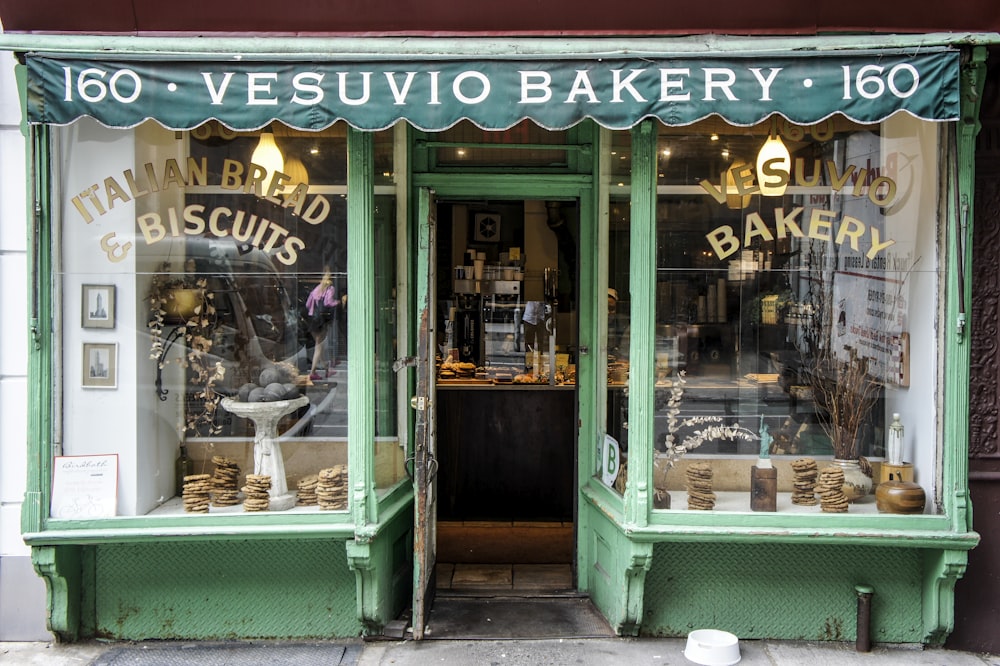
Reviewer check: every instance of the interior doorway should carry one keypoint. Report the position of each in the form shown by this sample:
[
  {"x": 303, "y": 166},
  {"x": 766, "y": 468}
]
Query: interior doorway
[{"x": 506, "y": 396}]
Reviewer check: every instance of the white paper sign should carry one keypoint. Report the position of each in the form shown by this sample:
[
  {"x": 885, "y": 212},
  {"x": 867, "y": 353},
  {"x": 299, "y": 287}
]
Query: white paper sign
[
  {"x": 611, "y": 460},
  {"x": 85, "y": 486}
]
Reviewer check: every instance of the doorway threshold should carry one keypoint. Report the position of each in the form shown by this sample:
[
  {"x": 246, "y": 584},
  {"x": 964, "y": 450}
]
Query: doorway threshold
[
  {"x": 510, "y": 618},
  {"x": 504, "y": 580}
]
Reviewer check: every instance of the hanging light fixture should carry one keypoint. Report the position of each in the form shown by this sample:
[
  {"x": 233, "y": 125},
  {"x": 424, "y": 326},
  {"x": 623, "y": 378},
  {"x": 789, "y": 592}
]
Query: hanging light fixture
[
  {"x": 297, "y": 173},
  {"x": 773, "y": 156},
  {"x": 735, "y": 200},
  {"x": 268, "y": 156}
]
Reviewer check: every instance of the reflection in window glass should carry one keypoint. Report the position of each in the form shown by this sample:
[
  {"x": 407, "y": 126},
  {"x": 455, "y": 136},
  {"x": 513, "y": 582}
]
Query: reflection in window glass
[
  {"x": 389, "y": 454},
  {"x": 214, "y": 270},
  {"x": 784, "y": 294},
  {"x": 614, "y": 457}
]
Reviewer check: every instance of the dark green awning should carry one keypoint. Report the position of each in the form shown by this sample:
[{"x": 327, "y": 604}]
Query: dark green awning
[{"x": 246, "y": 94}]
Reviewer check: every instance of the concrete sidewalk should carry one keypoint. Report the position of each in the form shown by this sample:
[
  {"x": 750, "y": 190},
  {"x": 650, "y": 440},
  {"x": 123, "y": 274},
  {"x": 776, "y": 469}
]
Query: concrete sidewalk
[{"x": 552, "y": 652}]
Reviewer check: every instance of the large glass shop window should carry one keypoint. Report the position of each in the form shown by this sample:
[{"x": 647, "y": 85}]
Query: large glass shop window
[
  {"x": 796, "y": 277},
  {"x": 202, "y": 283}
]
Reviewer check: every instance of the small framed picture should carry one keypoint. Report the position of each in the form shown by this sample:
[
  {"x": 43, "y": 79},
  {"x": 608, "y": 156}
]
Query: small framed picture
[
  {"x": 98, "y": 306},
  {"x": 100, "y": 365}
]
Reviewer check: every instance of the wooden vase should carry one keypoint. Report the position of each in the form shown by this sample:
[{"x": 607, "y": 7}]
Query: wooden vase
[{"x": 900, "y": 497}]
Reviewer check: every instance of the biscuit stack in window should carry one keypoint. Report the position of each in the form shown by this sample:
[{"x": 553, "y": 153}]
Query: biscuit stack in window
[
  {"x": 225, "y": 482},
  {"x": 699, "y": 486},
  {"x": 196, "y": 493},
  {"x": 306, "y": 495},
  {"x": 255, "y": 492},
  {"x": 804, "y": 484},
  {"x": 831, "y": 490},
  {"x": 331, "y": 489}
]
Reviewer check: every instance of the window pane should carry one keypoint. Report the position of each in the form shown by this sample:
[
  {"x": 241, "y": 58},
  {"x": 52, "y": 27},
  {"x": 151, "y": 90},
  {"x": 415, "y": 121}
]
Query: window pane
[
  {"x": 618, "y": 317},
  {"x": 172, "y": 215},
  {"x": 790, "y": 313}
]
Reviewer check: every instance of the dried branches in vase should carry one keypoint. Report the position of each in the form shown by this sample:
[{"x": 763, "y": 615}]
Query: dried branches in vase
[
  {"x": 712, "y": 427},
  {"x": 843, "y": 386},
  {"x": 686, "y": 434},
  {"x": 848, "y": 393}
]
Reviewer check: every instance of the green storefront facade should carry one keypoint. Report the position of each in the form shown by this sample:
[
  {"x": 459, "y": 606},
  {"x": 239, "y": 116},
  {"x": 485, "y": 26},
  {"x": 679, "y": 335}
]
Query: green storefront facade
[{"x": 576, "y": 167}]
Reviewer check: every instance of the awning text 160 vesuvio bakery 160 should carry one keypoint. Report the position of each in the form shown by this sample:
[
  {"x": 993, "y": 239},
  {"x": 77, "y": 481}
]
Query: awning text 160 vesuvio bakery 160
[{"x": 494, "y": 94}]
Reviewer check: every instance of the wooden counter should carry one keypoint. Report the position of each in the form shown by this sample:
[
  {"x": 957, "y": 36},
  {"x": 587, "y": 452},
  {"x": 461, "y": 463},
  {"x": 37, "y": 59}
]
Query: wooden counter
[{"x": 506, "y": 452}]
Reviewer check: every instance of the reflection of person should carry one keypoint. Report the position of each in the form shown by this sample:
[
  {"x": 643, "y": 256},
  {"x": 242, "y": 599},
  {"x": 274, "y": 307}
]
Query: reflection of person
[
  {"x": 320, "y": 306},
  {"x": 618, "y": 327},
  {"x": 534, "y": 326}
]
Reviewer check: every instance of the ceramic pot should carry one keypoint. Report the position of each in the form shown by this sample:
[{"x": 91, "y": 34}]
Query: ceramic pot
[
  {"x": 900, "y": 497},
  {"x": 857, "y": 484}
]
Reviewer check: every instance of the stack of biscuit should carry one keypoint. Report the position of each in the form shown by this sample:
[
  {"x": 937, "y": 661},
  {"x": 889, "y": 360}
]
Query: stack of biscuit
[
  {"x": 196, "y": 492},
  {"x": 804, "y": 484},
  {"x": 331, "y": 489},
  {"x": 306, "y": 495},
  {"x": 225, "y": 482},
  {"x": 699, "y": 486},
  {"x": 256, "y": 497},
  {"x": 831, "y": 490}
]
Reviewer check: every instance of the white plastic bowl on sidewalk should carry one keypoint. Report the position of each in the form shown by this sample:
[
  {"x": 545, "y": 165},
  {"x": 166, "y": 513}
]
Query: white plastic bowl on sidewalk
[{"x": 712, "y": 647}]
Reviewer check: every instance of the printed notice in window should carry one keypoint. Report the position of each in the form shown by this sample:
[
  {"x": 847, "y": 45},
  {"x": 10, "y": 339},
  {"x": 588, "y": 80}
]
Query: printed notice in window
[{"x": 85, "y": 486}]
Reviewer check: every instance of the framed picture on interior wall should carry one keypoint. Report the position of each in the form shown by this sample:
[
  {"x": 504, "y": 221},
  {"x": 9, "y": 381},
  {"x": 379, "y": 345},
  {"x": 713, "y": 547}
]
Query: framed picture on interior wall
[
  {"x": 98, "y": 305},
  {"x": 487, "y": 228},
  {"x": 100, "y": 365}
]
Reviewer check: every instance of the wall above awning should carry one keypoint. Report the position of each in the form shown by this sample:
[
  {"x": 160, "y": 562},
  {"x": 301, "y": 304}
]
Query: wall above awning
[{"x": 247, "y": 94}]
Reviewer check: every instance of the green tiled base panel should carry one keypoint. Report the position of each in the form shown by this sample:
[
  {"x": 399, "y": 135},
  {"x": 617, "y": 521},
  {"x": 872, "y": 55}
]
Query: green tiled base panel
[
  {"x": 225, "y": 590},
  {"x": 782, "y": 591}
]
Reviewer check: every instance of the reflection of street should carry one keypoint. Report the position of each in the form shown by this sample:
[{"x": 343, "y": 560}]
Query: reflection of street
[{"x": 327, "y": 414}]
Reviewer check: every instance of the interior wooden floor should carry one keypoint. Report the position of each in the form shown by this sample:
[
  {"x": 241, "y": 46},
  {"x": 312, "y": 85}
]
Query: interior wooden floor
[{"x": 520, "y": 558}]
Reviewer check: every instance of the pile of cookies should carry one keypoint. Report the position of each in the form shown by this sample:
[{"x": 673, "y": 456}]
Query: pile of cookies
[
  {"x": 331, "y": 489},
  {"x": 699, "y": 486},
  {"x": 831, "y": 490},
  {"x": 196, "y": 493},
  {"x": 805, "y": 471},
  {"x": 225, "y": 482},
  {"x": 306, "y": 495},
  {"x": 256, "y": 497}
]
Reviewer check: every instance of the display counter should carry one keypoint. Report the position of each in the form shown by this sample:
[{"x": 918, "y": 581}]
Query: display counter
[{"x": 506, "y": 451}]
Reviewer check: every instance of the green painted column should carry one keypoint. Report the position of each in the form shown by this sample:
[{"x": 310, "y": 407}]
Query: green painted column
[
  {"x": 642, "y": 278},
  {"x": 360, "y": 327}
]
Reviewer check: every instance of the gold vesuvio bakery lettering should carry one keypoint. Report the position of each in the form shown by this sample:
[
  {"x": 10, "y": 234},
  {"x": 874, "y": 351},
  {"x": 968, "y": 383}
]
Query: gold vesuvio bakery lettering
[{"x": 819, "y": 224}]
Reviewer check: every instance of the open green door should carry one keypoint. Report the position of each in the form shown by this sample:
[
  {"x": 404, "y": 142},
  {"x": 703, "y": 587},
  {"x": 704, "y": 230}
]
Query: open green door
[{"x": 425, "y": 464}]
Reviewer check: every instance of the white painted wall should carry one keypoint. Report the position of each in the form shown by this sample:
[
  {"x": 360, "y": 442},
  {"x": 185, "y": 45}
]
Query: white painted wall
[{"x": 22, "y": 594}]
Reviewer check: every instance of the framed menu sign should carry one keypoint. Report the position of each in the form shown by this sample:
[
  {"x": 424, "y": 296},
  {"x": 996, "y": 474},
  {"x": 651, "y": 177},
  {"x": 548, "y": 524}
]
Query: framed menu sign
[{"x": 85, "y": 486}]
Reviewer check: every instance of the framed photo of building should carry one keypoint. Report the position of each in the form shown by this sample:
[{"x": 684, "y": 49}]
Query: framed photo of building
[
  {"x": 98, "y": 305},
  {"x": 100, "y": 365}
]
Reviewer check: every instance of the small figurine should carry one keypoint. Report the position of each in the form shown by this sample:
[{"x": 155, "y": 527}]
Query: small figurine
[{"x": 765, "y": 440}]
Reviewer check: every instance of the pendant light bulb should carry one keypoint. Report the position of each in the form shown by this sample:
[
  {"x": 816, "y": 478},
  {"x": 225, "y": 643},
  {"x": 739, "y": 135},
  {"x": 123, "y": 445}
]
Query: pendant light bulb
[
  {"x": 735, "y": 200},
  {"x": 268, "y": 156},
  {"x": 774, "y": 165},
  {"x": 297, "y": 173}
]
